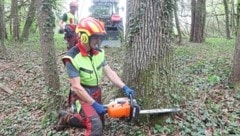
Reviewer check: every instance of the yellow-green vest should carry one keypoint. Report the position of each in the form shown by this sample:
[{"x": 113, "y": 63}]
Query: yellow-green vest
[
  {"x": 90, "y": 68},
  {"x": 69, "y": 17}
]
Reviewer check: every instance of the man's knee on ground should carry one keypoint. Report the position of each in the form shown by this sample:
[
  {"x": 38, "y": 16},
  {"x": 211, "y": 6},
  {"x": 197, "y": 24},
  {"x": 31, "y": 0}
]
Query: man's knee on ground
[{"x": 76, "y": 122}]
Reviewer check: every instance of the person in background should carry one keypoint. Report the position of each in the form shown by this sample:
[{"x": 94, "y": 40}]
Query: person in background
[
  {"x": 68, "y": 25},
  {"x": 85, "y": 64}
]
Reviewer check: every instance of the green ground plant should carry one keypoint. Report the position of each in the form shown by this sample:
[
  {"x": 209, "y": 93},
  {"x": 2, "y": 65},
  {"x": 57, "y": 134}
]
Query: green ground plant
[{"x": 209, "y": 105}]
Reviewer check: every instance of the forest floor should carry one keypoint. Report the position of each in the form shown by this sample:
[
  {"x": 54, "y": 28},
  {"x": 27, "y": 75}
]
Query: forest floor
[{"x": 209, "y": 108}]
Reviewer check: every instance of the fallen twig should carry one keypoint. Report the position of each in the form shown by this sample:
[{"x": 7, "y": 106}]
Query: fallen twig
[{"x": 6, "y": 89}]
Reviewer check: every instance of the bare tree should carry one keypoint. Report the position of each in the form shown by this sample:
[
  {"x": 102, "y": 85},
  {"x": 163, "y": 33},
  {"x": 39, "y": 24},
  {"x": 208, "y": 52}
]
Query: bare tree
[
  {"x": 148, "y": 62},
  {"x": 3, "y": 53},
  {"x": 177, "y": 23},
  {"x": 29, "y": 20},
  {"x": 233, "y": 18},
  {"x": 15, "y": 19},
  {"x": 225, "y": 3},
  {"x": 198, "y": 21}
]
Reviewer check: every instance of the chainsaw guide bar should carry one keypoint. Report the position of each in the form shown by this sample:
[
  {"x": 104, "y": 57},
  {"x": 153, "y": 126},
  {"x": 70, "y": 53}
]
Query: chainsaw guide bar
[{"x": 159, "y": 111}]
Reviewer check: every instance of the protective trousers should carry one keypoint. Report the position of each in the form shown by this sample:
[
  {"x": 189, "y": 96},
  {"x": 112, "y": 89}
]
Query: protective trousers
[{"x": 87, "y": 116}]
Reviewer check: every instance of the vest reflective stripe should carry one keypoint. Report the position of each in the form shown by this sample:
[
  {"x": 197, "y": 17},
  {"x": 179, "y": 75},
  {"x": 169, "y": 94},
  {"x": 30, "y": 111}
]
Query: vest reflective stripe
[
  {"x": 90, "y": 69},
  {"x": 70, "y": 16}
]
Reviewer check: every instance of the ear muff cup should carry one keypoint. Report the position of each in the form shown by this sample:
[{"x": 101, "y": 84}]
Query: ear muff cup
[{"x": 84, "y": 38}]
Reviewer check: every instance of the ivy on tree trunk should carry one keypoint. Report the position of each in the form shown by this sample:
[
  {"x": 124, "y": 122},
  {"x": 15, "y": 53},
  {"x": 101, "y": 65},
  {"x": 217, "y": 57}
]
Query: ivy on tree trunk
[{"x": 149, "y": 63}]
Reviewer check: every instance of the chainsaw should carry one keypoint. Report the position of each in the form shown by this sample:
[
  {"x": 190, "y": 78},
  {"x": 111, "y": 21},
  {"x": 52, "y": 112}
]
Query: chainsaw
[{"x": 128, "y": 109}]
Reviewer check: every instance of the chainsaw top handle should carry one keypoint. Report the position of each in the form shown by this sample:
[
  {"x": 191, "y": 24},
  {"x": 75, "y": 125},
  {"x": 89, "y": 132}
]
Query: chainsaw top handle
[
  {"x": 131, "y": 99},
  {"x": 131, "y": 109},
  {"x": 135, "y": 109}
]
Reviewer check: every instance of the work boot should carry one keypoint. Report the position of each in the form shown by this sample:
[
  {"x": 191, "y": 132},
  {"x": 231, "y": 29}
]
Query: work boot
[{"x": 63, "y": 119}]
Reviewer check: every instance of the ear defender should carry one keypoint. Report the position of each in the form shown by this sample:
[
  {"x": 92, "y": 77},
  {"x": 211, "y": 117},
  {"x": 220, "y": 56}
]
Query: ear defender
[{"x": 84, "y": 38}]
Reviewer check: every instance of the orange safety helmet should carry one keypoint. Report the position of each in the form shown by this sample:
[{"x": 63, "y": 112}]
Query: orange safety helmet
[
  {"x": 90, "y": 26},
  {"x": 73, "y": 3}
]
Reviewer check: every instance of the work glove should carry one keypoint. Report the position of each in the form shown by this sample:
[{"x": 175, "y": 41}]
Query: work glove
[
  {"x": 127, "y": 91},
  {"x": 99, "y": 108}
]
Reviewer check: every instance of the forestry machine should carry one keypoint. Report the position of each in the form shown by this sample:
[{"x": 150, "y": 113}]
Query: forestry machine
[{"x": 107, "y": 11}]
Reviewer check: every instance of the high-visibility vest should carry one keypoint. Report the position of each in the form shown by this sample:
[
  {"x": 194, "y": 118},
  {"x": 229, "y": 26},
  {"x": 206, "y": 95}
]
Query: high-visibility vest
[
  {"x": 70, "y": 18},
  {"x": 90, "y": 67}
]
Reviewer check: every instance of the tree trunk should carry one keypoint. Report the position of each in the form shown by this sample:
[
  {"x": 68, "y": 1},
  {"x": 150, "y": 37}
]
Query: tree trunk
[
  {"x": 3, "y": 51},
  {"x": 29, "y": 20},
  {"x": 235, "y": 77},
  {"x": 148, "y": 65},
  {"x": 193, "y": 16},
  {"x": 46, "y": 24},
  {"x": 15, "y": 19},
  {"x": 198, "y": 21},
  {"x": 227, "y": 19},
  {"x": 177, "y": 23},
  {"x": 233, "y": 19},
  {"x": 238, "y": 13},
  {"x": 218, "y": 25}
]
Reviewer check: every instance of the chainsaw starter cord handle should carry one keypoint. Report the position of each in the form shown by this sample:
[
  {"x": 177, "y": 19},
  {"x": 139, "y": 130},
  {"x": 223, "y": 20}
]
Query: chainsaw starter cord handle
[
  {"x": 100, "y": 109},
  {"x": 127, "y": 91}
]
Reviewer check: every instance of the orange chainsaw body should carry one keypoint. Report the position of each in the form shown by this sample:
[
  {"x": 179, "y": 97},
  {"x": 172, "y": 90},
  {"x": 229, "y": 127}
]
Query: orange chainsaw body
[
  {"x": 128, "y": 109},
  {"x": 119, "y": 108}
]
